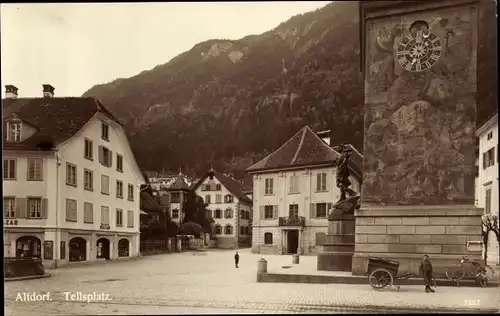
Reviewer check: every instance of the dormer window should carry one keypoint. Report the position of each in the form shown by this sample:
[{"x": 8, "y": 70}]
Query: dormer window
[
  {"x": 105, "y": 131},
  {"x": 14, "y": 131}
]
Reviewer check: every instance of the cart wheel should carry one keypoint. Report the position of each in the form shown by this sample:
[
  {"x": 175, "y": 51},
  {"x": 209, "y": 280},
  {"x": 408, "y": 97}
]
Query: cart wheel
[
  {"x": 380, "y": 278},
  {"x": 455, "y": 273}
]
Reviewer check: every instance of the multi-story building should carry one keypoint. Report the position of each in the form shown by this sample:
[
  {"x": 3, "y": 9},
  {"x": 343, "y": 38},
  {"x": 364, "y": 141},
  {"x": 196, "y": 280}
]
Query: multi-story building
[
  {"x": 177, "y": 195},
  {"x": 293, "y": 190},
  {"x": 161, "y": 182},
  {"x": 229, "y": 207},
  {"x": 70, "y": 180},
  {"x": 487, "y": 178}
]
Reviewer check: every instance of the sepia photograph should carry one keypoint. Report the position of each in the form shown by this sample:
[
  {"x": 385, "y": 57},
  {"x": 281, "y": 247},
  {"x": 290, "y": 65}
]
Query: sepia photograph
[{"x": 267, "y": 157}]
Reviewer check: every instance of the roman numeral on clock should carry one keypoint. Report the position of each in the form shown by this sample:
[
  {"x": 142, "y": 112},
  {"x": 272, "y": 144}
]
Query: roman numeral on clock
[
  {"x": 427, "y": 64},
  {"x": 437, "y": 48},
  {"x": 434, "y": 56},
  {"x": 408, "y": 66},
  {"x": 419, "y": 67},
  {"x": 403, "y": 52}
]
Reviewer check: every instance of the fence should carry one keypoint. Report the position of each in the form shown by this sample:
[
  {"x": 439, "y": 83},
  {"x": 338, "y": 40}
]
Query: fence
[{"x": 153, "y": 246}]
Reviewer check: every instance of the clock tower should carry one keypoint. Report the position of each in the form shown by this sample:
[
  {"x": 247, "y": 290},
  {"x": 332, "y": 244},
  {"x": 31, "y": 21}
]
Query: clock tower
[{"x": 419, "y": 61}]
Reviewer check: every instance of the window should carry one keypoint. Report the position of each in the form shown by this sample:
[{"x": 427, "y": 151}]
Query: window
[
  {"x": 70, "y": 174},
  {"x": 489, "y": 158},
  {"x": 9, "y": 169},
  {"x": 119, "y": 162},
  {"x": 293, "y": 210},
  {"x": 207, "y": 199},
  {"x": 88, "y": 212},
  {"x": 489, "y": 136},
  {"x": 175, "y": 198},
  {"x": 321, "y": 182},
  {"x": 105, "y": 156},
  {"x": 71, "y": 211},
  {"x": 269, "y": 190},
  {"x": 35, "y": 169},
  {"x": 104, "y": 184},
  {"x": 119, "y": 189},
  {"x": 130, "y": 192},
  {"x": 218, "y": 213},
  {"x": 228, "y": 198},
  {"x": 269, "y": 212},
  {"x": 119, "y": 217},
  {"x": 175, "y": 213},
  {"x": 268, "y": 238},
  {"x": 35, "y": 207},
  {"x": 14, "y": 134},
  {"x": 218, "y": 229},
  {"x": 88, "y": 179},
  {"x": 105, "y": 131},
  {"x": 487, "y": 201},
  {"x": 130, "y": 219},
  {"x": 9, "y": 207},
  {"x": 104, "y": 215},
  {"x": 218, "y": 198},
  {"x": 209, "y": 213},
  {"x": 229, "y": 230},
  {"x": 228, "y": 213},
  {"x": 217, "y": 187},
  {"x": 88, "y": 152},
  {"x": 321, "y": 210},
  {"x": 242, "y": 230},
  {"x": 294, "y": 184}
]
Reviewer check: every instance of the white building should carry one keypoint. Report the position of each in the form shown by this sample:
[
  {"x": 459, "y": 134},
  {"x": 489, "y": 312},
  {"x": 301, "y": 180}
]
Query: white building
[
  {"x": 229, "y": 206},
  {"x": 293, "y": 190},
  {"x": 487, "y": 180},
  {"x": 70, "y": 181}
]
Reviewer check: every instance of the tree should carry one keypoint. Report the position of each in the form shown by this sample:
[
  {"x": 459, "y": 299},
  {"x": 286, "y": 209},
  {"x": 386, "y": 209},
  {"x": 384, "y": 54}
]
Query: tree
[
  {"x": 490, "y": 224},
  {"x": 196, "y": 212}
]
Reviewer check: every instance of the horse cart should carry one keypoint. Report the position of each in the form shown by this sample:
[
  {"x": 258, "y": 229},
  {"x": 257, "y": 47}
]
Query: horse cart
[{"x": 383, "y": 273}]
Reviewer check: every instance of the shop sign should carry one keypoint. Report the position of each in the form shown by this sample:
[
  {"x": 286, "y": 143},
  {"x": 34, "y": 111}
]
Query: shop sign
[
  {"x": 105, "y": 226},
  {"x": 10, "y": 222}
]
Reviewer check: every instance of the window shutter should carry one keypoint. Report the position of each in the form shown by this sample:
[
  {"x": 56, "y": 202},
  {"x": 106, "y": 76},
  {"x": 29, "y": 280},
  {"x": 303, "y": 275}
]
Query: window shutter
[
  {"x": 45, "y": 207},
  {"x": 110, "y": 162},
  {"x": 318, "y": 181},
  {"x": 21, "y": 207},
  {"x": 313, "y": 210},
  {"x": 101, "y": 154},
  {"x": 275, "y": 211}
]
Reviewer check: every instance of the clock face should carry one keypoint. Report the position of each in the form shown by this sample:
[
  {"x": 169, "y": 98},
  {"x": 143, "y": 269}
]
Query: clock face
[{"x": 419, "y": 51}]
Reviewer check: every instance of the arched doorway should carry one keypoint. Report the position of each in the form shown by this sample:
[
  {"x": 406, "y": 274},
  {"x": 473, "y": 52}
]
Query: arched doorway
[
  {"x": 28, "y": 246},
  {"x": 123, "y": 247},
  {"x": 103, "y": 248},
  {"x": 77, "y": 249}
]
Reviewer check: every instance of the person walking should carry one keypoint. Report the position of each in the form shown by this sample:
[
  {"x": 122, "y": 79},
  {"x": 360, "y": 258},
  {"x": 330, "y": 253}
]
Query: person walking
[
  {"x": 426, "y": 271},
  {"x": 236, "y": 259}
]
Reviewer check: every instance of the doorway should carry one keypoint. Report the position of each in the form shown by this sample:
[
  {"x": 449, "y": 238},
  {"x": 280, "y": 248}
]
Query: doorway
[
  {"x": 103, "y": 248},
  {"x": 292, "y": 241}
]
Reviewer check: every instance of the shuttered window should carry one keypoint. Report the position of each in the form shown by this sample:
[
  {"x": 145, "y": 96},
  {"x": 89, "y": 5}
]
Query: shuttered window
[
  {"x": 34, "y": 207},
  {"x": 294, "y": 184},
  {"x": 269, "y": 186},
  {"x": 71, "y": 210},
  {"x": 104, "y": 215},
  {"x": 88, "y": 212},
  {"x": 269, "y": 211},
  {"x": 9, "y": 207},
  {"x": 104, "y": 184},
  {"x": 9, "y": 169},
  {"x": 119, "y": 189},
  {"x": 130, "y": 192},
  {"x": 71, "y": 174},
  {"x": 130, "y": 219},
  {"x": 105, "y": 156},
  {"x": 119, "y": 217},
  {"x": 88, "y": 179},
  {"x": 35, "y": 169},
  {"x": 31, "y": 207},
  {"x": 321, "y": 182}
]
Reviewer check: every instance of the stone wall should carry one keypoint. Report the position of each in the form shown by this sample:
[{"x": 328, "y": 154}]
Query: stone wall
[{"x": 407, "y": 233}]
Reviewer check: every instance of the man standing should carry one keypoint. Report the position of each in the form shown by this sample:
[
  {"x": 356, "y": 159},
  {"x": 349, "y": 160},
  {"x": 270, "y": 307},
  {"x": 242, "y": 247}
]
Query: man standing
[
  {"x": 236, "y": 259},
  {"x": 426, "y": 272}
]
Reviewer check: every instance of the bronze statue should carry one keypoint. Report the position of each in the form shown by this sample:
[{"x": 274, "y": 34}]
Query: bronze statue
[{"x": 343, "y": 173}]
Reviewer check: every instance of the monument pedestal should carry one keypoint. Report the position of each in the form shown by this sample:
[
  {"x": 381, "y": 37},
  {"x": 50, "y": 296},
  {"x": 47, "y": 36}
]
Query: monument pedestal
[{"x": 406, "y": 233}]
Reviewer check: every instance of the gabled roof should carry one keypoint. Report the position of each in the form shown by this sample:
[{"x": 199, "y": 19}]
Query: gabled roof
[
  {"x": 232, "y": 185},
  {"x": 55, "y": 119},
  {"x": 179, "y": 184},
  {"x": 149, "y": 204},
  {"x": 305, "y": 148}
]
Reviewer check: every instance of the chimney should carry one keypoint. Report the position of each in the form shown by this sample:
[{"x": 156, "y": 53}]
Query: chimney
[
  {"x": 325, "y": 136},
  {"x": 10, "y": 91},
  {"x": 48, "y": 91}
]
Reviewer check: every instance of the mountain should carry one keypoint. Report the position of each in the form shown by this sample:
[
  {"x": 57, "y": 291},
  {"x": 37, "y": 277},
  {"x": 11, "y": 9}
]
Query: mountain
[{"x": 227, "y": 103}]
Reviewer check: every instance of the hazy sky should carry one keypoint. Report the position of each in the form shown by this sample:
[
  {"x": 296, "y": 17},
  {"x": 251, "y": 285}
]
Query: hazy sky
[{"x": 74, "y": 46}]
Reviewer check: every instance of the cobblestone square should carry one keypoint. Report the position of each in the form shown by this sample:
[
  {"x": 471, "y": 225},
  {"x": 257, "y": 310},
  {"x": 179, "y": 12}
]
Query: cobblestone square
[{"x": 208, "y": 282}]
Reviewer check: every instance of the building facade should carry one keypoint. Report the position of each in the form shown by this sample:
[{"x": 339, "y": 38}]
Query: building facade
[
  {"x": 487, "y": 179},
  {"x": 229, "y": 207},
  {"x": 71, "y": 182},
  {"x": 293, "y": 190}
]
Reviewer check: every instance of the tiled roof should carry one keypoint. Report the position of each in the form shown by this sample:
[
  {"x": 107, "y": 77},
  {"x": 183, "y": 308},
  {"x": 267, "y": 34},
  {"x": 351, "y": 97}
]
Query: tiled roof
[
  {"x": 55, "y": 119},
  {"x": 179, "y": 184},
  {"x": 149, "y": 204},
  {"x": 232, "y": 185},
  {"x": 305, "y": 148}
]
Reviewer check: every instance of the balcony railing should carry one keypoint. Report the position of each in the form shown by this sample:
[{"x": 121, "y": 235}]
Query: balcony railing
[{"x": 292, "y": 221}]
